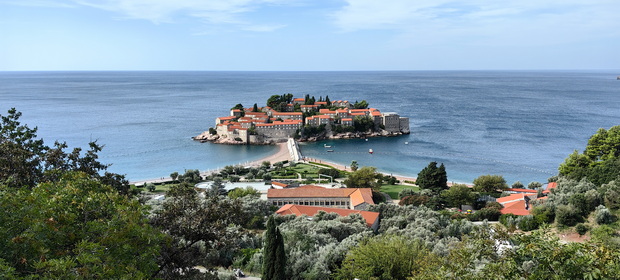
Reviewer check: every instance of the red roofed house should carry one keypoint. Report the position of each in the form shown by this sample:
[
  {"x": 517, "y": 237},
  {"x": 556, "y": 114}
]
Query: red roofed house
[
  {"x": 309, "y": 195},
  {"x": 278, "y": 185},
  {"x": 550, "y": 186},
  {"x": 372, "y": 218},
  {"x": 515, "y": 190},
  {"x": 517, "y": 204}
]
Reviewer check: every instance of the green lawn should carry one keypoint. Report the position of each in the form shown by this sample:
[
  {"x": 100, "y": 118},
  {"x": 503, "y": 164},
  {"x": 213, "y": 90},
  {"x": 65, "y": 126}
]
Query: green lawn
[{"x": 393, "y": 190}]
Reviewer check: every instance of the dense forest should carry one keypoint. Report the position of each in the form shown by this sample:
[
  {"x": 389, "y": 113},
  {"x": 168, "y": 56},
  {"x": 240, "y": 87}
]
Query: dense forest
[{"x": 66, "y": 217}]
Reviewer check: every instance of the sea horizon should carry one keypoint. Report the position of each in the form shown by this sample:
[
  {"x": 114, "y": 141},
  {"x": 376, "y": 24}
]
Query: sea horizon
[{"x": 517, "y": 123}]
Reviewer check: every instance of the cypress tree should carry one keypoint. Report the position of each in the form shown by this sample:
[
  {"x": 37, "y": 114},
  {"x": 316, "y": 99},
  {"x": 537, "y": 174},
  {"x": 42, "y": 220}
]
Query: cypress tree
[
  {"x": 433, "y": 178},
  {"x": 255, "y": 108},
  {"x": 274, "y": 257}
]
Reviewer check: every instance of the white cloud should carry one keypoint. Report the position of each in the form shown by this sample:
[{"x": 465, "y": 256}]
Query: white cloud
[
  {"x": 38, "y": 3},
  {"x": 263, "y": 28},
  {"x": 164, "y": 11},
  {"x": 426, "y": 22}
]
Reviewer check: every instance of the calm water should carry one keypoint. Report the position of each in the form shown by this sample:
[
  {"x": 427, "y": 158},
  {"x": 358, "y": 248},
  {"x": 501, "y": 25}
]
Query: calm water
[{"x": 518, "y": 124}]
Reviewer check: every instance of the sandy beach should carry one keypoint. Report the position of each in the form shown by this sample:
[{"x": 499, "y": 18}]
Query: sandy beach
[{"x": 281, "y": 154}]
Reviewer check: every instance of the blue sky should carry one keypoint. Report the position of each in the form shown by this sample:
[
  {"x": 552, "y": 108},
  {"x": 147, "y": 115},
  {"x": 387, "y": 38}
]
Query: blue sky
[{"x": 311, "y": 35}]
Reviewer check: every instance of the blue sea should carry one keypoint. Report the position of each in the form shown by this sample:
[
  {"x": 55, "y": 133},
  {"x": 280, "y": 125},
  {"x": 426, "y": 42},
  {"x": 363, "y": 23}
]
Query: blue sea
[{"x": 519, "y": 124}]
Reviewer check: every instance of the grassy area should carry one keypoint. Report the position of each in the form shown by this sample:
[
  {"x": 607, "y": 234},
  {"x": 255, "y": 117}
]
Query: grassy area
[{"x": 393, "y": 190}]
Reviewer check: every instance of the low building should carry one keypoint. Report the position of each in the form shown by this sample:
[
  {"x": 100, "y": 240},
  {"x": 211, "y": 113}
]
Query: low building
[
  {"x": 391, "y": 122},
  {"x": 310, "y": 195},
  {"x": 309, "y": 108},
  {"x": 517, "y": 204},
  {"x": 372, "y": 218}
]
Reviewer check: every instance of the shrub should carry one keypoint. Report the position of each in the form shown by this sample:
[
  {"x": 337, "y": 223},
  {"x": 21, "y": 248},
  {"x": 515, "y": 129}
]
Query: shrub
[
  {"x": 415, "y": 200},
  {"x": 527, "y": 223},
  {"x": 567, "y": 215},
  {"x": 604, "y": 216},
  {"x": 505, "y": 219},
  {"x": 517, "y": 185},
  {"x": 581, "y": 229},
  {"x": 543, "y": 214},
  {"x": 534, "y": 185},
  {"x": 405, "y": 192},
  {"x": 494, "y": 204},
  {"x": 489, "y": 214}
]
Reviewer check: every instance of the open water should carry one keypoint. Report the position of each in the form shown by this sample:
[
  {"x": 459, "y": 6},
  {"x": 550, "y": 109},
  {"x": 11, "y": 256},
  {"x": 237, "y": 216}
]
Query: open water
[{"x": 519, "y": 124}]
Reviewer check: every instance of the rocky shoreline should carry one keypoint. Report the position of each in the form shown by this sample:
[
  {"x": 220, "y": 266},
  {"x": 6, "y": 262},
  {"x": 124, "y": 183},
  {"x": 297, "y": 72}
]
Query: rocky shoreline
[{"x": 216, "y": 139}]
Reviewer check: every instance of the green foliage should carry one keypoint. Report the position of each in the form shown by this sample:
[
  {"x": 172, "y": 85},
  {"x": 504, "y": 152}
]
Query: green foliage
[
  {"x": 534, "y": 185},
  {"x": 603, "y": 216},
  {"x": 274, "y": 263},
  {"x": 75, "y": 227},
  {"x": 517, "y": 185},
  {"x": 191, "y": 176},
  {"x": 527, "y": 223},
  {"x": 174, "y": 175},
  {"x": 354, "y": 165},
  {"x": 26, "y": 161},
  {"x": 242, "y": 192},
  {"x": 360, "y": 105},
  {"x": 365, "y": 177},
  {"x": 458, "y": 195},
  {"x": 490, "y": 183},
  {"x": 406, "y": 192},
  {"x": 433, "y": 178},
  {"x": 385, "y": 257},
  {"x": 581, "y": 229},
  {"x": 363, "y": 123},
  {"x": 415, "y": 200},
  {"x": 197, "y": 227},
  {"x": 567, "y": 215},
  {"x": 487, "y": 213},
  {"x": 335, "y": 173},
  {"x": 278, "y": 102},
  {"x": 600, "y": 162}
]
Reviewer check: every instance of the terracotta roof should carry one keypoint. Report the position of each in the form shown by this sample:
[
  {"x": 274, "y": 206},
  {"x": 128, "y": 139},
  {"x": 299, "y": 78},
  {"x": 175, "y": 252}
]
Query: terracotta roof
[
  {"x": 320, "y": 103},
  {"x": 287, "y": 113},
  {"x": 358, "y": 110},
  {"x": 358, "y": 114},
  {"x": 375, "y": 113},
  {"x": 298, "y": 210},
  {"x": 327, "y": 111},
  {"x": 309, "y": 106},
  {"x": 360, "y": 196},
  {"x": 510, "y": 198},
  {"x": 516, "y": 208},
  {"x": 347, "y": 119},
  {"x": 521, "y": 190},
  {"x": 283, "y": 185},
  {"x": 550, "y": 186},
  {"x": 363, "y": 195},
  {"x": 299, "y": 99}
]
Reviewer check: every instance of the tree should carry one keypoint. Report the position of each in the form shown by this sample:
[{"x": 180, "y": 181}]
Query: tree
[
  {"x": 196, "y": 227},
  {"x": 354, "y": 165},
  {"x": 217, "y": 188},
  {"x": 255, "y": 108},
  {"x": 274, "y": 258},
  {"x": 76, "y": 228},
  {"x": 490, "y": 183},
  {"x": 26, "y": 161},
  {"x": 365, "y": 177},
  {"x": 517, "y": 185},
  {"x": 433, "y": 178},
  {"x": 360, "y": 105},
  {"x": 239, "y": 106},
  {"x": 534, "y": 185},
  {"x": 243, "y": 192},
  {"x": 600, "y": 161},
  {"x": 458, "y": 195},
  {"x": 174, "y": 175},
  {"x": 386, "y": 257}
]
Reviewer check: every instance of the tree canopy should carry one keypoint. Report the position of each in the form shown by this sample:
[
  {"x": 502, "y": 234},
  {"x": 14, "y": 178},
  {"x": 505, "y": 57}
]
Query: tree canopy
[
  {"x": 600, "y": 161},
  {"x": 433, "y": 178},
  {"x": 490, "y": 183}
]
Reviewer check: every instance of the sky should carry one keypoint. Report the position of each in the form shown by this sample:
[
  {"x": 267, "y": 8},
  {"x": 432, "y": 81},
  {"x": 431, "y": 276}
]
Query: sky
[{"x": 309, "y": 35}]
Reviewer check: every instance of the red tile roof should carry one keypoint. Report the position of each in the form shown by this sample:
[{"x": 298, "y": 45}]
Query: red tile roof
[
  {"x": 521, "y": 190},
  {"x": 550, "y": 186},
  {"x": 298, "y": 210},
  {"x": 516, "y": 208},
  {"x": 357, "y": 196},
  {"x": 282, "y": 185}
]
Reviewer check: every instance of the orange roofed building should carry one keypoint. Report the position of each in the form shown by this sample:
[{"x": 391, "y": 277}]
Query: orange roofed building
[
  {"x": 310, "y": 195},
  {"x": 372, "y": 218}
]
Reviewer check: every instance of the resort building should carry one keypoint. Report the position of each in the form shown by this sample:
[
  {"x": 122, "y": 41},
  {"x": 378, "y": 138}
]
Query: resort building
[
  {"x": 310, "y": 195},
  {"x": 372, "y": 218}
]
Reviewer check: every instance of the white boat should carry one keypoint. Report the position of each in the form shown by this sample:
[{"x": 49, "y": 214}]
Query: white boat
[
  {"x": 326, "y": 146},
  {"x": 370, "y": 151},
  {"x": 406, "y": 143},
  {"x": 366, "y": 139}
]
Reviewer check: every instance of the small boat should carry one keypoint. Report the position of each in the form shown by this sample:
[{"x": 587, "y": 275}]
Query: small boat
[
  {"x": 370, "y": 151},
  {"x": 326, "y": 146},
  {"x": 330, "y": 151},
  {"x": 406, "y": 143},
  {"x": 366, "y": 139}
]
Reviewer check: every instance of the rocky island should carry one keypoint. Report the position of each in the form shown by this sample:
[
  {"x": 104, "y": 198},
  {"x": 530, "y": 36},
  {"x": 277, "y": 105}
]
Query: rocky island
[{"x": 305, "y": 119}]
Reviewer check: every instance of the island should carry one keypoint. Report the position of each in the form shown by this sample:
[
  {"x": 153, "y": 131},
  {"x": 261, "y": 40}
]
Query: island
[{"x": 304, "y": 119}]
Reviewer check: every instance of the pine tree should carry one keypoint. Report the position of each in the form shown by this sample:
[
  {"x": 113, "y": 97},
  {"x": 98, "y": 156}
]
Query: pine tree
[
  {"x": 433, "y": 178},
  {"x": 255, "y": 108},
  {"x": 274, "y": 257}
]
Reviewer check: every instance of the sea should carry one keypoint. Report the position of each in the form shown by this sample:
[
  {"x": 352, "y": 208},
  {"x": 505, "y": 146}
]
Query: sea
[{"x": 518, "y": 124}]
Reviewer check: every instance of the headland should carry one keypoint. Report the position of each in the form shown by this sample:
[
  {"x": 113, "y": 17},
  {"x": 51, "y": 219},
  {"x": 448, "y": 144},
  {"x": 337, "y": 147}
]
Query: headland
[{"x": 304, "y": 119}]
